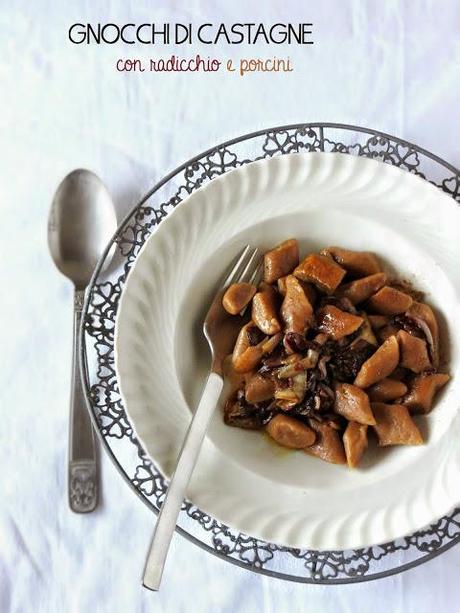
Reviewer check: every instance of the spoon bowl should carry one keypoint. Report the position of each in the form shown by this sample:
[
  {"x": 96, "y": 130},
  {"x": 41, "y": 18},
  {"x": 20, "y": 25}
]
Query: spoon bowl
[{"x": 81, "y": 222}]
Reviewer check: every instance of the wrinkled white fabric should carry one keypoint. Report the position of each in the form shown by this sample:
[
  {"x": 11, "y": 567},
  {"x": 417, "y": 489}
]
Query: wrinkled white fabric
[{"x": 392, "y": 65}]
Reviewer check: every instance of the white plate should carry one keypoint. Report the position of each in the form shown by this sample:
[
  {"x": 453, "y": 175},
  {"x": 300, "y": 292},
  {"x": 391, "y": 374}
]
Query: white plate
[{"x": 242, "y": 478}]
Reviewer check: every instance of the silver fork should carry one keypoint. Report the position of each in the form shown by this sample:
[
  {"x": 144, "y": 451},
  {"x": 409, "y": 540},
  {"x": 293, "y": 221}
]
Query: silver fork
[{"x": 220, "y": 330}]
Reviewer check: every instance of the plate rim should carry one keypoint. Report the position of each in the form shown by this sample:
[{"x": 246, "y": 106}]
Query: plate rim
[
  {"x": 359, "y": 161},
  {"x": 320, "y": 127}
]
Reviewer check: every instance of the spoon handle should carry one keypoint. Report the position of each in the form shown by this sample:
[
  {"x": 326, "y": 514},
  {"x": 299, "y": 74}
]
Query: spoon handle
[{"x": 83, "y": 464}]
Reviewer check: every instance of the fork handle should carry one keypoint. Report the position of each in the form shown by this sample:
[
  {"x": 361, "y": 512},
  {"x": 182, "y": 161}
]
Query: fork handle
[{"x": 172, "y": 503}]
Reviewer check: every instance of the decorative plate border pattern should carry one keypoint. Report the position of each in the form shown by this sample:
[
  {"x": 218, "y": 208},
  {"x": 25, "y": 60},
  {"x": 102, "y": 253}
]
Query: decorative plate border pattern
[{"x": 101, "y": 388}]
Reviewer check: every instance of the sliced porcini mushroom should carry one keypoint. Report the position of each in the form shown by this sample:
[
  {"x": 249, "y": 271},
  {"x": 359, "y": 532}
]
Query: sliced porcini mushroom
[
  {"x": 290, "y": 432},
  {"x": 249, "y": 359},
  {"x": 299, "y": 364},
  {"x": 355, "y": 442},
  {"x": 362, "y": 289},
  {"x": 299, "y": 385},
  {"x": 243, "y": 341},
  {"x": 366, "y": 333},
  {"x": 258, "y": 389},
  {"x": 357, "y": 263},
  {"x": 322, "y": 271},
  {"x": 287, "y": 397},
  {"x": 378, "y": 321},
  {"x": 237, "y": 297},
  {"x": 296, "y": 310},
  {"x": 413, "y": 352},
  {"x": 247, "y": 355},
  {"x": 422, "y": 312},
  {"x": 353, "y": 403},
  {"x": 271, "y": 343},
  {"x": 281, "y": 261},
  {"x": 380, "y": 365},
  {"x": 265, "y": 312},
  {"x": 394, "y": 425},
  {"x": 422, "y": 392},
  {"x": 288, "y": 359},
  {"x": 336, "y": 323},
  {"x": 407, "y": 288},
  {"x": 328, "y": 445},
  {"x": 389, "y": 301},
  {"x": 237, "y": 414},
  {"x": 322, "y": 366},
  {"x": 386, "y": 390}
]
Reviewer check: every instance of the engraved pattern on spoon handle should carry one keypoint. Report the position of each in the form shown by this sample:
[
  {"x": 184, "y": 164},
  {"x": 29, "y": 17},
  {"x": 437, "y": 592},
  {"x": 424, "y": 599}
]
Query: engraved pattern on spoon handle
[{"x": 83, "y": 462}]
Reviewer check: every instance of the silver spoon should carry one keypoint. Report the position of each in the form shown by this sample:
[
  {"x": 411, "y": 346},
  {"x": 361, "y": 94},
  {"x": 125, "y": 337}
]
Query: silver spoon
[{"x": 81, "y": 222}]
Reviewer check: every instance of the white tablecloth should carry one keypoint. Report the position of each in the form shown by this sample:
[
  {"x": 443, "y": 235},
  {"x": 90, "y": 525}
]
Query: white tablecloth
[{"x": 391, "y": 65}]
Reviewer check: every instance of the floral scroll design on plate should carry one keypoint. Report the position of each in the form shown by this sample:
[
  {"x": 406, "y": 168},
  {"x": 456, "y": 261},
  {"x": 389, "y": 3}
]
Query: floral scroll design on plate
[{"x": 107, "y": 407}]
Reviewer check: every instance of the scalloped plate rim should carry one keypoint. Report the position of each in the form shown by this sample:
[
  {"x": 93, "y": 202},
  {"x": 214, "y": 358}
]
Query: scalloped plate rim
[{"x": 174, "y": 214}]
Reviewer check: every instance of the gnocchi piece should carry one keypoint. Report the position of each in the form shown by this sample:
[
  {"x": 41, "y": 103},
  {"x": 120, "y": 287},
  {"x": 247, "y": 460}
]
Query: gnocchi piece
[
  {"x": 296, "y": 310},
  {"x": 237, "y": 297},
  {"x": 258, "y": 389},
  {"x": 362, "y": 289},
  {"x": 386, "y": 390},
  {"x": 422, "y": 392},
  {"x": 265, "y": 311},
  {"x": 394, "y": 425},
  {"x": 357, "y": 263},
  {"x": 328, "y": 445},
  {"x": 353, "y": 403},
  {"x": 413, "y": 352},
  {"x": 389, "y": 301},
  {"x": 308, "y": 288},
  {"x": 281, "y": 261},
  {"x": 381, "y": 364},
  {"x": 355, "y": 442},
  {"x": 290, "y": 432},
  {"x": 322, "y": 271},
  {"x": 336, "y": 323}
]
